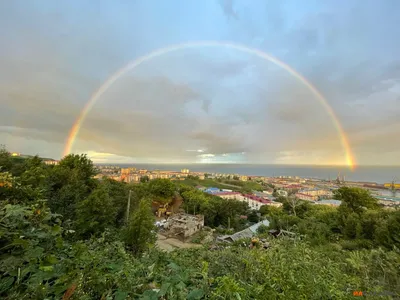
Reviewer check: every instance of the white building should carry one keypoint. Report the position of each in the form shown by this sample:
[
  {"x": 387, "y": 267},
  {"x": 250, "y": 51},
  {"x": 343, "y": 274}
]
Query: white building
[{"x": 254, "y": 202}]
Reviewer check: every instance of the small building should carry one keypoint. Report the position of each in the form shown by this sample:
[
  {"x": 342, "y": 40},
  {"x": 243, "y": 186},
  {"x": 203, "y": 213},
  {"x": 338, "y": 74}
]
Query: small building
[
  {"x": 306, "y": 197},
  {"x": 51, "y": 162},
  {"x": 246, "y": 233},
  {"x": 212, "y": 190},
  {"x": 330, "y": 202},
  {"x": 282, "y": 193},
  {"x": 183, "y": 225},
  {"x": 243, "y": 178},
  {"x": 230, "y": 195}
]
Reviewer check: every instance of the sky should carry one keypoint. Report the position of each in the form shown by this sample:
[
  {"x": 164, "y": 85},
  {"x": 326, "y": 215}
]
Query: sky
[{"x": 202, "y": 104}]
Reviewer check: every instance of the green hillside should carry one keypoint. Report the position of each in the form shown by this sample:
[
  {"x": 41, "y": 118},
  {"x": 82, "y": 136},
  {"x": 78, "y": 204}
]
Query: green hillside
[{"x": 65, "y": 235}]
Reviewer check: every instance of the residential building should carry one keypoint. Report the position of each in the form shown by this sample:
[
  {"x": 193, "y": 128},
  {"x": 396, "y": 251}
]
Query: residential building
[
  {"x": 253, "y": 201},
  {"x": 282, "y": 193},
  {"x": 243, "y": 178},
  {"x": 51, "y": 162},
  {"x": 317, "y": 192},
  {"x": 183, "y": 225},
  {"x": 306, "y": 197},
  {"x": 330, "y": 202}
]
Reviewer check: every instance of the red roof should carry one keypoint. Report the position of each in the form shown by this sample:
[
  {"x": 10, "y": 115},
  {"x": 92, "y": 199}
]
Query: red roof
[
  {"x": 226, "y": 193},
  {"x": 301, "y": 194},
  {"x": 293, "y": 186},
  {"x": 258, "y": 199}
]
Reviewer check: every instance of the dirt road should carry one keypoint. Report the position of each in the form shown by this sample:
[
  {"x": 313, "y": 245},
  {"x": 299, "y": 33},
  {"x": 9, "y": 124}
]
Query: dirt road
[{"x": 170, "y": 244}]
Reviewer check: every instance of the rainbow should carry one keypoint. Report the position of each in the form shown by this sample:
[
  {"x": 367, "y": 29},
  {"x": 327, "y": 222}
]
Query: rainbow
[{"x": 350, "y": 160}]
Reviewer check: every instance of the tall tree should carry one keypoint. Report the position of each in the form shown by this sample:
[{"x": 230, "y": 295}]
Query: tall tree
[
  {"x": 354, "y": 200},
  {"x": 140, "y": 231},
  {"x": 96, "y": 213},
  {"x": 69, "y": 183},
  {"x": 162, "y": 189}
]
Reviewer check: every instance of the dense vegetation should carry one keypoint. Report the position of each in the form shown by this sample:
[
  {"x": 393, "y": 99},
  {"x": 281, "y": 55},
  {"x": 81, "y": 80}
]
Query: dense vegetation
[{"x": 66, "y": 235}]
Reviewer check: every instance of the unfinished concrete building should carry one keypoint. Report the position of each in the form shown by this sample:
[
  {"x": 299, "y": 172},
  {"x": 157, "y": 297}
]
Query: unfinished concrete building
[{"x": 183, "y": 225}]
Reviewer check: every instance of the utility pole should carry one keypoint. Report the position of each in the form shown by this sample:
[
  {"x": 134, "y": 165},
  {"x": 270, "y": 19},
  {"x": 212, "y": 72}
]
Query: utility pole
[{"x": 128, "y": 206}]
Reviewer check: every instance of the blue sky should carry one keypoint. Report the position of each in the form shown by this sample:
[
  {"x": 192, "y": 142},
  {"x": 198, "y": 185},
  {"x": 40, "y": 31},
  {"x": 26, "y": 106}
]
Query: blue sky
[{"x": 233, "y": 106}]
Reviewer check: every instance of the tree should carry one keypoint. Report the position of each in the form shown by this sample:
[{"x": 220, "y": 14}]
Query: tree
[
  {"x": 253, "y": 217},
  {"x": 5, "y": 160},
  {"x": 144, "y": 178},
  {"x": 355, "y": 200},
  {"x": 162, "y": 189},
  {"x": 291, "y": 204},
  {"x": 262, "y": 229},
  {"x": 352, "y": 226},
  {"x": 96, "y": 213},
  {"x": 246, "y": 190},
  {"x": 269, "y": 210},
  {"x": 69, "y": 183},
  {"x": 118, "y": 193},
  {"x": 140, "y": 231},
  {"x": 35, "y": 172}
]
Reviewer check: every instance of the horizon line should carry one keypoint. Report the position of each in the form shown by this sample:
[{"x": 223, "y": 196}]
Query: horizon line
[{"x": 238, "y": 163}]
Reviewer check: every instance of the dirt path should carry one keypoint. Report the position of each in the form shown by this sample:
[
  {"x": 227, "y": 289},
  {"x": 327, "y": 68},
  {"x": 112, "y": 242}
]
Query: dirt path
[{"x": 170, "y": 244}]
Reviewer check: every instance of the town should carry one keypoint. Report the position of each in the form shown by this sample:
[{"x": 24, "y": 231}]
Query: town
[
  {"x": 269, "y": 189},
  {"x": 312, "y": 190}
]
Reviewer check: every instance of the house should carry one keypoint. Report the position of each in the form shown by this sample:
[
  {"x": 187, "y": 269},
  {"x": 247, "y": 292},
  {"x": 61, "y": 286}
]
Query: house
[
  {"x": 230, "y": 195},
  {"x": 253, "y": 201},
  {"x": 317, "y": 192},
  {"x": 282, "y": 193},
  {"x": 330, "y": 202},
  {"x": 183, "y": 225},
  {"x": 243, "y": 178},
  {"x": 306, "y": 197}
]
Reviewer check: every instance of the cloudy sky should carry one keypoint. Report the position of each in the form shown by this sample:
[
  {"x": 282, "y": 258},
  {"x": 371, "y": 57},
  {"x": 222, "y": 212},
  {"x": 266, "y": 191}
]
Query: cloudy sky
[{"x": 202, "y": 104}]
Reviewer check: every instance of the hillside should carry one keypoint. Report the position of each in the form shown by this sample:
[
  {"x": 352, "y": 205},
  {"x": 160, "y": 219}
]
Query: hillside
[{"x": 65, "y": 235}]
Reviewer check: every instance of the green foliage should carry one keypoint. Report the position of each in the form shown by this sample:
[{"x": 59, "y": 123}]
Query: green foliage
[
  {"x": 144, "y": 179},
  {"x": 216, "y": 211},
  {"x": 355, "y": 200},
  {"x": 262, "y": 229},
  {"x": 69, "y": 183},
  {"x": 89, "y": 253},
  {"x": 30, "y": 238},
  {"x": 162, "y": 189},
  {"x": 140, "y": 231},
  {"x": 96, "y": 213}
]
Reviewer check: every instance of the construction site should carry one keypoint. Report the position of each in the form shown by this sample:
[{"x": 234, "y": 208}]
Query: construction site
[{"x": 175, "y": 227}]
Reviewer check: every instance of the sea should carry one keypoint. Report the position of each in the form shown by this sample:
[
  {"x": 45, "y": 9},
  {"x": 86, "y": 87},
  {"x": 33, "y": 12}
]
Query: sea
[{"x": 373, "y": 174}]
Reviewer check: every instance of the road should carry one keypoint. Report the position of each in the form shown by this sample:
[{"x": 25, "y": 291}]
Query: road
[{"x": 170, "y": 244}]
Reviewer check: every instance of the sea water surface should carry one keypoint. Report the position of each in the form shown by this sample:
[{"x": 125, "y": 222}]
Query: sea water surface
[{"x": 378, "y": 174}]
